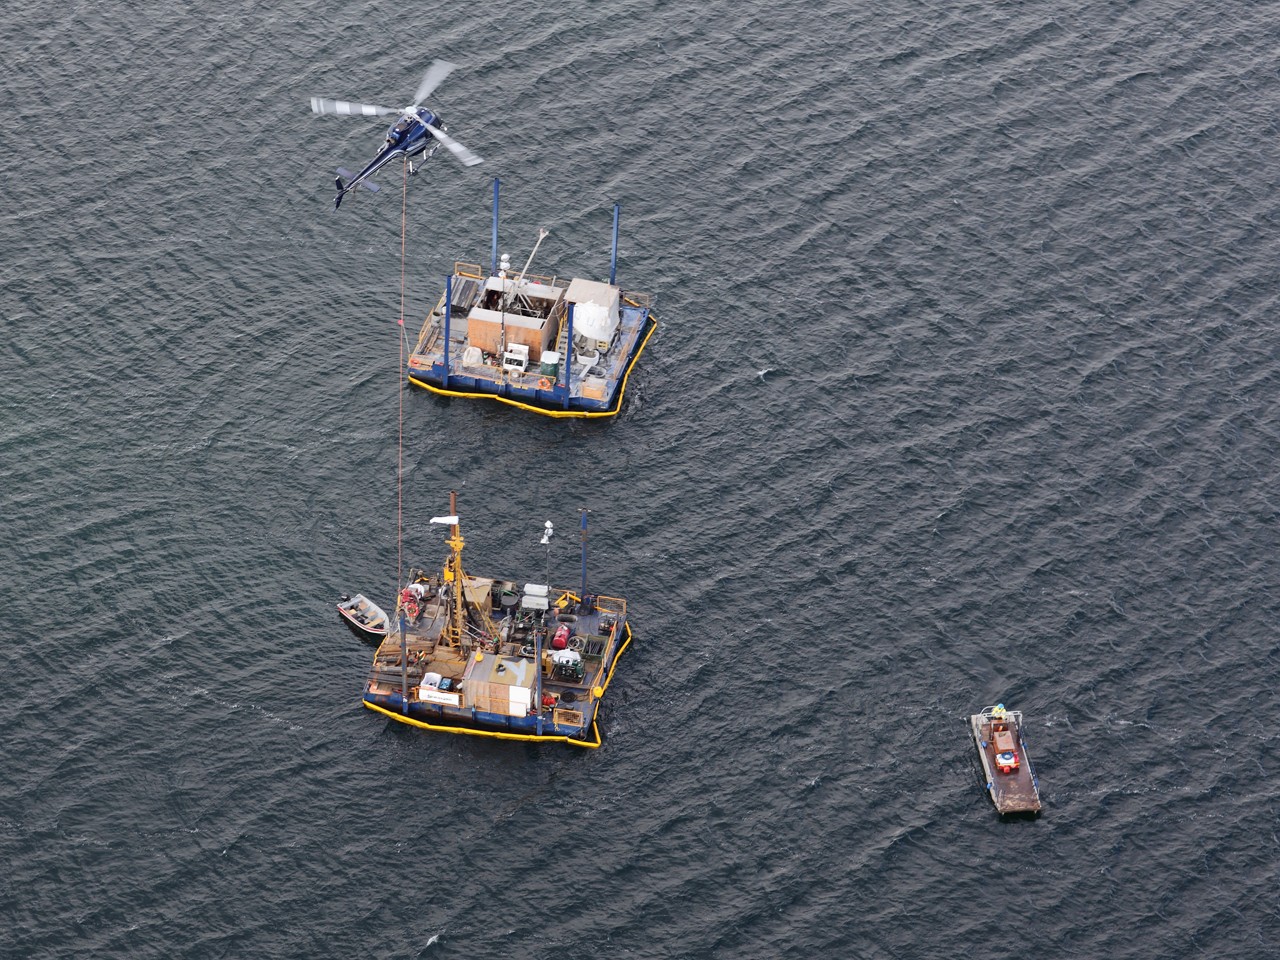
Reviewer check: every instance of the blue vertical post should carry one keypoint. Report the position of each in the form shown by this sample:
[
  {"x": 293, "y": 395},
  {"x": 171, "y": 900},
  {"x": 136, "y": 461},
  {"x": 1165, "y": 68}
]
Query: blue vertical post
[
  {"x": 583, "y": 591},
  {"x": 448, "y": 313},
  {"x": 493, "y": 264},
  {"x": 404, "y": 666},
  {"x": 568, "y": 362},
  {"x": 613, "y": 260}
]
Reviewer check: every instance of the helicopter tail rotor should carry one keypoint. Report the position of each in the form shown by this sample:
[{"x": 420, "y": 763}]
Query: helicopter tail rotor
[
  {"x": 344, "y": 187},
  {"x": 367, "y": 184}
]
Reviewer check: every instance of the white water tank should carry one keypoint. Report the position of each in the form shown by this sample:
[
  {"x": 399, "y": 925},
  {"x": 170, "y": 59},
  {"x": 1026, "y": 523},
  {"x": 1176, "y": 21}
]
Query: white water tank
[{"x": 595, "y": 309}]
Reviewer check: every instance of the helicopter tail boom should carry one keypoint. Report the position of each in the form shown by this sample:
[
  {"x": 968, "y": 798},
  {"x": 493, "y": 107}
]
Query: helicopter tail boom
[{"x": 343, "y": 188}]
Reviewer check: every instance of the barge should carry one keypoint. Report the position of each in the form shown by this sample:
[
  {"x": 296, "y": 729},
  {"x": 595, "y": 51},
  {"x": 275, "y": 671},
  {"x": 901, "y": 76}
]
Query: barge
[
  {"x": 503, "y": 658},
  {"x": 557, "y": 346},
  {"x": 1011, "y": 780}
]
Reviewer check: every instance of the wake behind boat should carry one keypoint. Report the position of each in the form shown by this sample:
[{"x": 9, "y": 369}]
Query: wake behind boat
[
  {"x": 557, "y": 346},
  {"x": 1011, "y": 781},
  {"x": 511, "y": 659}
]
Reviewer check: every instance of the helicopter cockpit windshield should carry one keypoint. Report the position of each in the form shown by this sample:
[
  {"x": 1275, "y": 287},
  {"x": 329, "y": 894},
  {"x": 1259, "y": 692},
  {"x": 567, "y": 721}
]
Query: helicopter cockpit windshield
[{"x": 397, "y": 131}]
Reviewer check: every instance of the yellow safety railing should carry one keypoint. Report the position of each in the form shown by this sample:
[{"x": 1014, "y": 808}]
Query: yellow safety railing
[
  {"x": 492, "y": 734},
  {"x": 617, "y": 657}
]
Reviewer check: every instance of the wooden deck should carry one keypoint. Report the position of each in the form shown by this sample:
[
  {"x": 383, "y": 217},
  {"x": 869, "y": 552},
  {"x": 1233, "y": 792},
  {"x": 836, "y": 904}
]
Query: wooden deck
[
  {"x": 1014, "y": 792},
  {"x": 596, "y": 378},
  {"x": 569, "y": 694}
]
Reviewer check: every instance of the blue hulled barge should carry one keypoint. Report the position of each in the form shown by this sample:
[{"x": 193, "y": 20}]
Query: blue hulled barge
[
  {"x": 509, "y": 659},
  {"x": 562, "y": 347}
]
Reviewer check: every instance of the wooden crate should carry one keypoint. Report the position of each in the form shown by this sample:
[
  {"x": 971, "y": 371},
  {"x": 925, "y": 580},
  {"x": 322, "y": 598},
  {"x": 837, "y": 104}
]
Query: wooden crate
[{"x": 562, "y": 716}]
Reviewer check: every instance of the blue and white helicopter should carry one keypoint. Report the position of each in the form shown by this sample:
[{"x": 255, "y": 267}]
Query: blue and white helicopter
[{"x": 418, "y": 131}]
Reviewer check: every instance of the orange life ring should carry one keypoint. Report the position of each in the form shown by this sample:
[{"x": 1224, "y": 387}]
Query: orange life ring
[{"x": 544, "y": 384}]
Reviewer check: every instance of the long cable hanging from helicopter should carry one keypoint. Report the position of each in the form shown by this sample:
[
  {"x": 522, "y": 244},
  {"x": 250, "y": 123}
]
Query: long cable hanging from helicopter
[
  {"x": 419, "y": 130},
  {"x": 404, "y": 221}
]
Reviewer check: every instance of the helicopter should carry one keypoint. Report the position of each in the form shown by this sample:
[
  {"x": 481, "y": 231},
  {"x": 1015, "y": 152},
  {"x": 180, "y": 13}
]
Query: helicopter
[{"x": 418, "y": 131}]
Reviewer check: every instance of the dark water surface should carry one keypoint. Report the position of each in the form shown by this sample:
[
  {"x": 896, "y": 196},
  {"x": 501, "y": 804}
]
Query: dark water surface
[{"x": 966, "y": 391}]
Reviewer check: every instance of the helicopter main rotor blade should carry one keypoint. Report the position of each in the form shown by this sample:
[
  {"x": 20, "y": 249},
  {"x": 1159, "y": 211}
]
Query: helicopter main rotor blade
[
  {"x": 438, "y": 70},
  {"x": 347, "y": 108},
  {"x": 454, "y": 147}
]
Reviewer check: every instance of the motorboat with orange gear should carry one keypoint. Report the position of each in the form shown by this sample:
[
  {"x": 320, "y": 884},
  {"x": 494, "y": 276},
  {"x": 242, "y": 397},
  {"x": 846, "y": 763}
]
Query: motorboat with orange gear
[{"x": 1010, "y": 779}]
